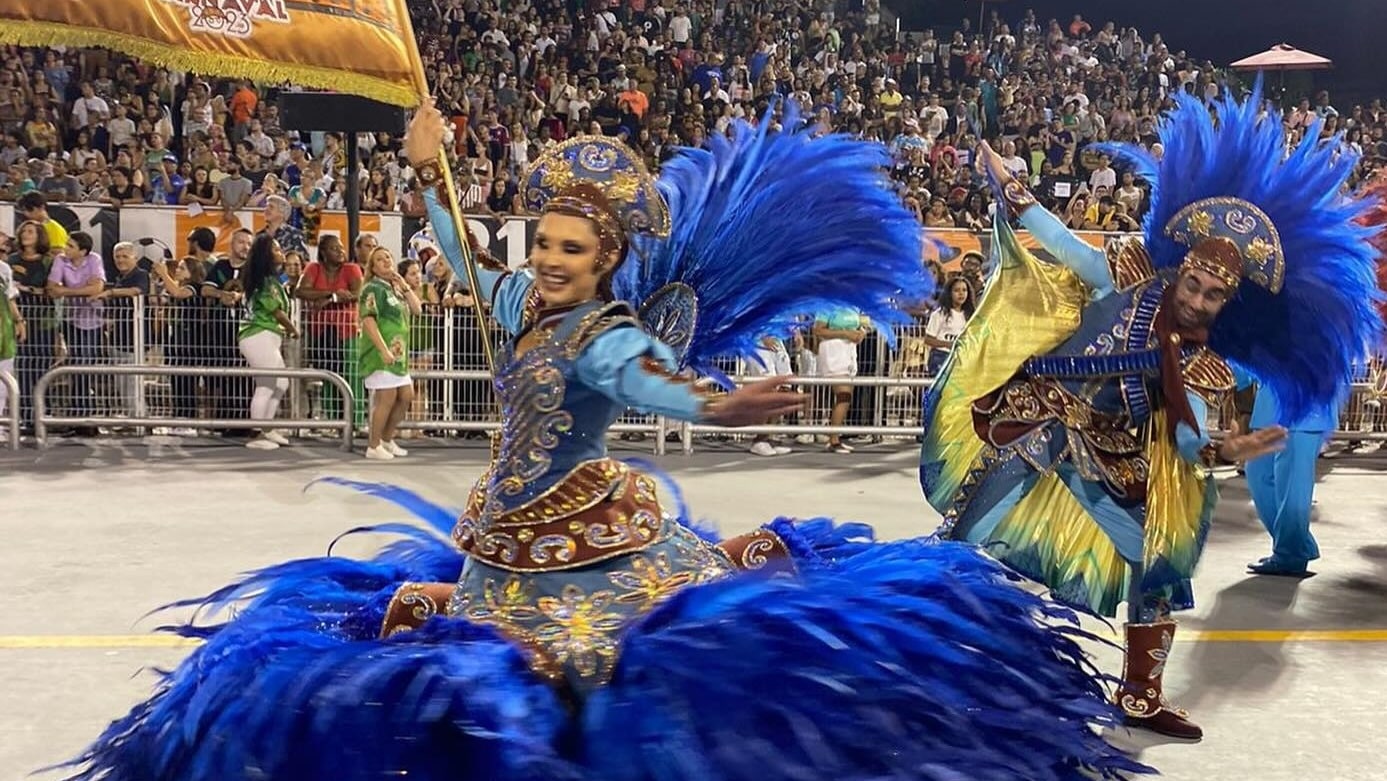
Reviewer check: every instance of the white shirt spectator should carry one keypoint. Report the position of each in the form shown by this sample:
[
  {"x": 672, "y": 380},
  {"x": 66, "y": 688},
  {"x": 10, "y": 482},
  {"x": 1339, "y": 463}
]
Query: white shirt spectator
[
  {"x": 721, "y": 94},
  {"x": 265, "y": 146},
  {"x": 196, "y": 118},
  {"x": 606, "y": 24},
  {"x": 1103, "y": 177},
  {"x": 1017, "y": 166},
  {"x": 933, "y": 120},
  {"x": 122, "y": 130},
  {"x": 84, "y": 108},
  {"x": 679, "y": 29},
  {"x": 945, "y": 324}
]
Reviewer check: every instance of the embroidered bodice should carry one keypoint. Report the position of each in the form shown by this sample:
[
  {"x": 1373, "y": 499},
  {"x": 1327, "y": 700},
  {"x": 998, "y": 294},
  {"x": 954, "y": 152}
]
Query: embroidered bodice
[{"x": 551, "y": 420}]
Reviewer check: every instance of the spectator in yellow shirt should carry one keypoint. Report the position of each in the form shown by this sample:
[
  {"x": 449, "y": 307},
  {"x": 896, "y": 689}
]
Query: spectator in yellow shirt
[
  {"x": 35, "y": 207},
  {"x": 1102, "y": 215},
  {"x": 891, "y": 99}
]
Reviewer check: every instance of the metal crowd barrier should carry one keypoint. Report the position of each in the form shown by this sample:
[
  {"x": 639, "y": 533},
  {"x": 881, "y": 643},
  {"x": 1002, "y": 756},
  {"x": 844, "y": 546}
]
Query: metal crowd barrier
[
  {"x": 142, "y": 363},
  {"x": 42, "y": 420},
  {"x": 820, "y": 429},
  {"x": 12, "y": 392}
]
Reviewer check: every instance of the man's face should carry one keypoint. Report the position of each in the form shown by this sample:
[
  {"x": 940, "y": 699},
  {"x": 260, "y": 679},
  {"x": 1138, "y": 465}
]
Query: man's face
[
  {"x": 1199, "y": 297},
  {"x": 240, "y": 245},
  {"x": 365, "y": 246},
  {"x": 125, "y": 260}
]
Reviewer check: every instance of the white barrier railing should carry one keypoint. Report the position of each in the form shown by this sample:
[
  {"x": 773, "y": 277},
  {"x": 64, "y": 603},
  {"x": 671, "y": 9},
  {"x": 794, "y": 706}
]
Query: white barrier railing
[
  {"x": 42, "y": 420},
  {"x": 12, "y": 432}
]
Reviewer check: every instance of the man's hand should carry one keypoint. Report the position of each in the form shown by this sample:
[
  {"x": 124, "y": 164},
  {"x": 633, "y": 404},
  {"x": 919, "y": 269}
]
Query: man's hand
[{"x": 1238, "y": 446}]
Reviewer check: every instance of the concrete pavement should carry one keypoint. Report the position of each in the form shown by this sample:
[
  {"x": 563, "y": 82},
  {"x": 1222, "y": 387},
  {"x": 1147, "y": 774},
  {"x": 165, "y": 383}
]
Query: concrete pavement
[{"x": 1287, "y": 677}]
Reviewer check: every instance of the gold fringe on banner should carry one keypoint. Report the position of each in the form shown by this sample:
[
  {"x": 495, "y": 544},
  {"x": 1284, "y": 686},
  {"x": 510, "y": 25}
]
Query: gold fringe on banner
[{"x": 33, "y": 33}]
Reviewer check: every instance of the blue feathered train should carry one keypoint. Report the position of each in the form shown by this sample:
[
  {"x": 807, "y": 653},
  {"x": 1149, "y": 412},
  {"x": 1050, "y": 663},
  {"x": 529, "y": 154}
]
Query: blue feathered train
[
  {"x": 910, "y": 660},
  {"x": 841, "y": 237},
  {"x": 1303, "y": 342}
]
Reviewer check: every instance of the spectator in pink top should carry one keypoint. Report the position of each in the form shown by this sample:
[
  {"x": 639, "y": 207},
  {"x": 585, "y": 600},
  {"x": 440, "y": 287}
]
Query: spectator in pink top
[{"x": 76, "y": 278}]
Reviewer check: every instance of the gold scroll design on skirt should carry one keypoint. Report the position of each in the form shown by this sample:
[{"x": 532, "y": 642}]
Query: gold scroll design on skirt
[
  {"x": 601, "y": 510},
  {"x": 1100, "y": 446}
]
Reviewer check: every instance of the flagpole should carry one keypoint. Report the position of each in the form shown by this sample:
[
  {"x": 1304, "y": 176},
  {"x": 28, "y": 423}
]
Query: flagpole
[{"x": 469, "y": 263}]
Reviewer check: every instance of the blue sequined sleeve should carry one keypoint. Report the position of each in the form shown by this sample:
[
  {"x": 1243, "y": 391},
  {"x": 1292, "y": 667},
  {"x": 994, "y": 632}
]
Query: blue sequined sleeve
[
  {"x": 1084, "y": 259},
  {"x": 1188, "y": 441},
  {"x": 506, "y": 291},
  {"x": 634, "y": 369}
]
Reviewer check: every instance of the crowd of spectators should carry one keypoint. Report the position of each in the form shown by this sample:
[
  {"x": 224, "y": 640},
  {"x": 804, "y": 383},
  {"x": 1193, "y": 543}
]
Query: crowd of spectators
[{"x": 89, "y": 125}]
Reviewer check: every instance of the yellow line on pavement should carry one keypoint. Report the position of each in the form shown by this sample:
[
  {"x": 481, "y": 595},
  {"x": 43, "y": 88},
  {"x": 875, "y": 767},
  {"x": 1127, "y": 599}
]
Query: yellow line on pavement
[
  {"x": 1284, "y": 636},
  {"x": 48, "y": 642},
  {"x": 120, "y": 642}
]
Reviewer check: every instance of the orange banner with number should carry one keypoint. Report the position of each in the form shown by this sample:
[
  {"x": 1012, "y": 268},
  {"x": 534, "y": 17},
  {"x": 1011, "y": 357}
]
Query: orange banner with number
[{"x": 361, "y": 47}]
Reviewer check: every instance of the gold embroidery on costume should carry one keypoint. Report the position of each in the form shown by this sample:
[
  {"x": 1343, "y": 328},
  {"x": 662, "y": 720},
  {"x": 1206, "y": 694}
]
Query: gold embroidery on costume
[
  {"x": 533, "y": 407},
  {"x": 412, "y": 605},
  {"x": 581, "y": 630},
  {"x": 1208, "y": 376},
  {"x": 650, "y": 581},
  {"x": 656, "y": 368},
  {"x": 599, "y": 511},
  {"x": 1129, "y": 263}
]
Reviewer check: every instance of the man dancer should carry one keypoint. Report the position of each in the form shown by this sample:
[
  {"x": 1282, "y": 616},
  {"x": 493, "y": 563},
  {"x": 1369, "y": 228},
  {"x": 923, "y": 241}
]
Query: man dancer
[{"x": 1068, "y": 431}]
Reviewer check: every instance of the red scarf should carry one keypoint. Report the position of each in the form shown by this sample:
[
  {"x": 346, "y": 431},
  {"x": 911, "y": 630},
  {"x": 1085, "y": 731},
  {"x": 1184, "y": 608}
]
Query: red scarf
[{"x": 1172, "y": 338}]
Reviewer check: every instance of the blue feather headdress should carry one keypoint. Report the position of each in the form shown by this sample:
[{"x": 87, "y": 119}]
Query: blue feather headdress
[
  {"x": 1303, "y": 341},
  {"x": 770, "y": 225}
]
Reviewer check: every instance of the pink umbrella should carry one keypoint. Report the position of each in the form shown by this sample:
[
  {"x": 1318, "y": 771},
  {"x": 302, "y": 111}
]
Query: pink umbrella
[{"x": 1283, "y": 57}]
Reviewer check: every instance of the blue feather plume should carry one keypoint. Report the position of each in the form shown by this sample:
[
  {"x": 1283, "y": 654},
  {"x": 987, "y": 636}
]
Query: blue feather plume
[
  {"x": 770, "y": 226},
  {"x": 1302, "y": 343},
  {"x": 276, "y": 697},
  {"x": 912, "y": 659},
  {"x": 917, "y": 660}
]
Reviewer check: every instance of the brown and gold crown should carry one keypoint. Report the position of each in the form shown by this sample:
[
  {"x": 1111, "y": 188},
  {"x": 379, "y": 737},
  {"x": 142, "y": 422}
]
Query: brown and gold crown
[{"x": 1231, "y": 239}]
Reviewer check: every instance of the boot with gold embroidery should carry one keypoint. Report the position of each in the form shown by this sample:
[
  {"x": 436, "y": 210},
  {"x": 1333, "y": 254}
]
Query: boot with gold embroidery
[{"x": 1141, "y": 698}]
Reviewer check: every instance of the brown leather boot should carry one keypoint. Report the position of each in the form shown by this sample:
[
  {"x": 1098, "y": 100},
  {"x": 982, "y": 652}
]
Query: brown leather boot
[{"x": 1141, "y": 699}]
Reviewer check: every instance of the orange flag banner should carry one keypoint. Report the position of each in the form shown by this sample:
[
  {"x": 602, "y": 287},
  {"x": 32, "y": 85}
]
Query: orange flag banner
[{"x": 361, "y": 47}]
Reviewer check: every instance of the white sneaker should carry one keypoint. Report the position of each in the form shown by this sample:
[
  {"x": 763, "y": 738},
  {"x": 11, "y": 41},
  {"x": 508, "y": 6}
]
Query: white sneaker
[
  {"x": 184, "y": 431},
  {"x": 379, "y": 454},
  {"x": 781, "y": 450},
  {"x": 276, "y": 437},
  {"x": 805, "y": 439},
  {"x": 261, "y": 443},
  {"x": 762, "y": 448},
  {"x": 394, "y": 449}
]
